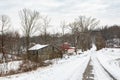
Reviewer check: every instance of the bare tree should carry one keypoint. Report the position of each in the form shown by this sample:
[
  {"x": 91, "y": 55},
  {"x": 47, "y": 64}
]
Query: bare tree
[
  {"x": 63, "y": 27},
  {"x": 14, "y": 42},
  {"x": 46, "y": 22},
  {"x": 4, "y": 26},
  {"x": 74, "y": 29},
  {"x": 85, "y": 25},
  {"x": 30, "y": 23}
]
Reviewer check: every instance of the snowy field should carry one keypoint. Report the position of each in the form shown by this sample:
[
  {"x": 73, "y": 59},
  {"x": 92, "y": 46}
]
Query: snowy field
[{"x": 105, "y": 62}]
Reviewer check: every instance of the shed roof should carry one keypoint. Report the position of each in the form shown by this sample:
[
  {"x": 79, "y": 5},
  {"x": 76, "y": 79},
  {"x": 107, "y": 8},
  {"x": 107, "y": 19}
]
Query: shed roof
[{"x": 37, "y": 47}]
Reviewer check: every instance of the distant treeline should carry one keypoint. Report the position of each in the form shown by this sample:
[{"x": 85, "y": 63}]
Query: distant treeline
[{"x": 16, "y": 44}]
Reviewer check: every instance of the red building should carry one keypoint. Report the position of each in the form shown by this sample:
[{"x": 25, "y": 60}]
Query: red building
[{"x": 65, "y": 46}]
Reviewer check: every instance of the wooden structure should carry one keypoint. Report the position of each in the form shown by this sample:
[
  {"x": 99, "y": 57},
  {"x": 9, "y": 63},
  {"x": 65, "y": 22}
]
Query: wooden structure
[{"x": 44, "y": 52}]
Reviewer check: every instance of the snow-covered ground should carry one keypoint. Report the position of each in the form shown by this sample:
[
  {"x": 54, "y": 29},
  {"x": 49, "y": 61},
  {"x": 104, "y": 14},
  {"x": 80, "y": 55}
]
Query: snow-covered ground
[
  {"x": 105, "y": 62},
  {"x": 111, "y": 61},
  {"x": 65, "y": 69},
  {"x": 14, "y": 65}
]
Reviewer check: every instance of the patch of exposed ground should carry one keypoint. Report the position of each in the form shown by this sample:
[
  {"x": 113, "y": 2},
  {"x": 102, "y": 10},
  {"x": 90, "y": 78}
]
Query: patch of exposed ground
[{"x": 88, "y": 74}]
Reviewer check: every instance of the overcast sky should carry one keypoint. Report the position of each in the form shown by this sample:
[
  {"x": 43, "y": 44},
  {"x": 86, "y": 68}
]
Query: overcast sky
[{"x": 107, "y": 11}]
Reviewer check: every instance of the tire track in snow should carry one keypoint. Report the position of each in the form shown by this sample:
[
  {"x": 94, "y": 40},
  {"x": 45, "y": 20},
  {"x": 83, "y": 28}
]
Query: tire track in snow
[
  {"x": 112, "y": 69},
  {"x": 107, "y": 71},
  {"x": 78, "y": 73},
  {"x": 99, "y": 71},
  {"x": 88, "y": 75}
]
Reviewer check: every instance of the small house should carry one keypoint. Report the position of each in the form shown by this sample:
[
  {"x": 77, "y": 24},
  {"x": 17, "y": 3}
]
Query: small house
[
  {"x": 44, "y": 52},
  {"x": 66, "y": 48}
]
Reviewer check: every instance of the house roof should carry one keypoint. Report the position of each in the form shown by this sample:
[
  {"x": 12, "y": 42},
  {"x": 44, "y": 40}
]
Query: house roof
[{"x": 37, "y": 47}]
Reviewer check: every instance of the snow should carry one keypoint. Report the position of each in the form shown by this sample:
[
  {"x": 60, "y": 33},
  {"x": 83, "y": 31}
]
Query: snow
[
  {"x": 14, "y": 65},
  {"x": 62, "y": 70},
  {"x": 71, "y": 50},
  {"x": 112, "y": 68},
  {"x": 72, "y": 68},
  {"x": 37, "y": 47},
  {"x": 99, "y": 72},
  {"x": 93, "y": 47},
  {"x": 115, "y": 42},
  {"x": 9, "y": 56}
]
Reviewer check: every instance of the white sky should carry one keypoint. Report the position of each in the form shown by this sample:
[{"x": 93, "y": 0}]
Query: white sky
[{"x": 107, "y": 11}]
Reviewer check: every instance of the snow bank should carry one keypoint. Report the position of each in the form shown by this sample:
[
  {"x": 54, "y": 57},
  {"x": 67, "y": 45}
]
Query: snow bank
[
  {"x": 105, "y": 60},
  {"x": 110, "y": 51},
  {"x": 62, "y": 70},
  {"x": 14, "y": 65}
]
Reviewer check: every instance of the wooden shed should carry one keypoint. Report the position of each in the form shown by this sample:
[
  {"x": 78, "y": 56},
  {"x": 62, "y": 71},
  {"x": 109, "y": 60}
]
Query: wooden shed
[{"x": 44, "y": 52}]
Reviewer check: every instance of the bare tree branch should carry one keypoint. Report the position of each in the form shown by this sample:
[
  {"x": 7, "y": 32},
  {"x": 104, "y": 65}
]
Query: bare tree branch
[{"x": 30, "y": 22}]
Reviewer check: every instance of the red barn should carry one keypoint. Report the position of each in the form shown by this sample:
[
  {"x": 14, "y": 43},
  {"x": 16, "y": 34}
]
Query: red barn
[{"x": 65, "y": 46}]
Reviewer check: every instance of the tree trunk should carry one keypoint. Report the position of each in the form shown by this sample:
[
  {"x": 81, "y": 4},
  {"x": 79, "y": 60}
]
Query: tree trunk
[
  {"x": 27, "y": 46},
  {"x": 2, "y": 48}
]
